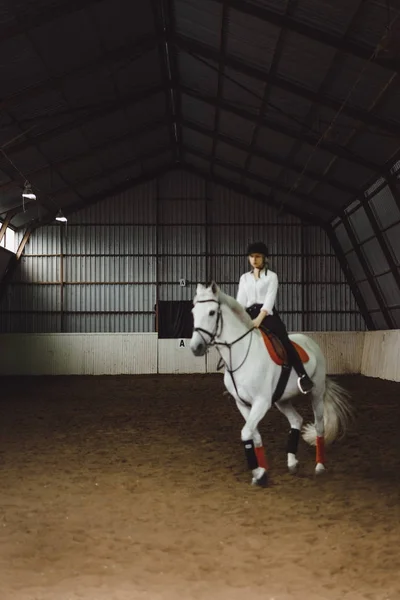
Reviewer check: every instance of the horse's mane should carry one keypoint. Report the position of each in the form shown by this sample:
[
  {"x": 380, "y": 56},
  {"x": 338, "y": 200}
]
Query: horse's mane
[
  {"x": 224, "y": 299},
  {"x": 236, "y": 308}
]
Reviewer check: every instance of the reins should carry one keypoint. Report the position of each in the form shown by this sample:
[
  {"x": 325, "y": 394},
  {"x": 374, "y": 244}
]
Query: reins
[{"x": 212, "y": 342}]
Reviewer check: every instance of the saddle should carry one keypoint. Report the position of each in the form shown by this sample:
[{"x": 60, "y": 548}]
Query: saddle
[
  {"x": 278, "y": 354},
  {"x": 277, "y": 351}
]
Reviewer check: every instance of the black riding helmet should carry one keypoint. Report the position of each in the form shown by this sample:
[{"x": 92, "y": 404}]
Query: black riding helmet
[{"x": 257, "y": 248}]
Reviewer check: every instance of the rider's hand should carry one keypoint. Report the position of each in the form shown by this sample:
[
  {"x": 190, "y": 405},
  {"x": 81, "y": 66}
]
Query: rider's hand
[{"x": 257, "y": 322}]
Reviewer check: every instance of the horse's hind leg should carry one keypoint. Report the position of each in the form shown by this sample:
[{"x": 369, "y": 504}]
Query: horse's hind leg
[
  {"x": 295, "y": 421},
  {"x": 318, "y": 410}
]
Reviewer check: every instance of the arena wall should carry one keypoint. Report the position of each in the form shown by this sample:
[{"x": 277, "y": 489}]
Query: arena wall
[{"x": 375, "y": 354}]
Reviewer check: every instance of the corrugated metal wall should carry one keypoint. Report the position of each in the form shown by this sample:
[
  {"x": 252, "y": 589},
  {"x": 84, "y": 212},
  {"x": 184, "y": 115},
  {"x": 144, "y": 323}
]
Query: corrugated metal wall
[
  {"x": 369, "y": 236},
  {"x": 104, "y": 271}
]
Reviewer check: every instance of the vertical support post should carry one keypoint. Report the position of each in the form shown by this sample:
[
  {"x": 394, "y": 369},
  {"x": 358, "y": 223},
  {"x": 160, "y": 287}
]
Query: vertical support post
[
  {"x": 206, "y": 230},
  {"x": 157, "y": 265},
  {"x": 304, "y": 320},
  {"x": 61, "y": 279}
]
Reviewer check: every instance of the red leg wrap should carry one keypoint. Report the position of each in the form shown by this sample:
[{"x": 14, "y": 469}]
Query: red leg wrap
[
  {"x": 261, "y": 458},
  {"x": 320, "y": 453}
]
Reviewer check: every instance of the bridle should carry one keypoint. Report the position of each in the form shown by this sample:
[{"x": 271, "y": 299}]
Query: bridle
[
  {"x": 214, "y": 334},
  {"x": 212, "y": 342}
]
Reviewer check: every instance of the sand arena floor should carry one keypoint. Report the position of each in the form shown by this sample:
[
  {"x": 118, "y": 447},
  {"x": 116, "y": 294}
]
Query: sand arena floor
[{"x": 125, "y": 488}]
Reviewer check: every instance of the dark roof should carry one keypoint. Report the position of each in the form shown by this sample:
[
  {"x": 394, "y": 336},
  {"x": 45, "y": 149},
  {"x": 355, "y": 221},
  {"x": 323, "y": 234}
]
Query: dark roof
[{"x": 296, "y": 102}]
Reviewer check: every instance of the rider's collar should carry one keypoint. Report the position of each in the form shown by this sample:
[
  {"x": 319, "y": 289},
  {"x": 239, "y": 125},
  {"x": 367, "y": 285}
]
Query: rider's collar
[{"x": 263, "y": 272}]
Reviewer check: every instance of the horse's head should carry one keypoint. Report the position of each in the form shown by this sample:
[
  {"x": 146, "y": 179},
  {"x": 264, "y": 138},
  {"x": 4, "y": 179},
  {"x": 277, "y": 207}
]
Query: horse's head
[{"x": 206, "y": 318}]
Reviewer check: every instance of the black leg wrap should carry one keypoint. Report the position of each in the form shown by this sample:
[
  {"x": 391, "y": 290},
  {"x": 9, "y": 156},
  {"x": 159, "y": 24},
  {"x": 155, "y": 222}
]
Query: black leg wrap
[
  {"x": 293, "y": 441},
  {"x": 250, "y": 454}
]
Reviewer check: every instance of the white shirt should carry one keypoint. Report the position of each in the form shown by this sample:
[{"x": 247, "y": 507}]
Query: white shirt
[{"x": 258, "y": 291}]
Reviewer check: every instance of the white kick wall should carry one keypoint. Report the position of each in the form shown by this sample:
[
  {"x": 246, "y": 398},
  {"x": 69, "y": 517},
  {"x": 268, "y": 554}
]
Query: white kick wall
[{"x": 375, "y": 354}]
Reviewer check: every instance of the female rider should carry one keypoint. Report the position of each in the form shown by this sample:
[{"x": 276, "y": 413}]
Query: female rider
[{"x": 257, "y": 292}]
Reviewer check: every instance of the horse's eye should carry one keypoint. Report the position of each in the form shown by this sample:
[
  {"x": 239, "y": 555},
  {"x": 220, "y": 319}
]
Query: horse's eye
[{"x": 211, "y": 313}]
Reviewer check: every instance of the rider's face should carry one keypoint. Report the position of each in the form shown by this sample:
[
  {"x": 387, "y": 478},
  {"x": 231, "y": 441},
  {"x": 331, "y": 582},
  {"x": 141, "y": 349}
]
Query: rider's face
[{"x": 257, "y": 260}]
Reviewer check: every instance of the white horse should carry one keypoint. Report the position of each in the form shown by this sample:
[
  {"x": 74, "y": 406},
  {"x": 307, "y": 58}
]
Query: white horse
[{"x": 251, "y": 377}]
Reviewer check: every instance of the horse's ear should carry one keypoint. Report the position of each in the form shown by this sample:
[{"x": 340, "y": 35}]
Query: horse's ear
[
  {"x": 214, "y": 287},
  {"x": 200, "y": 287}
]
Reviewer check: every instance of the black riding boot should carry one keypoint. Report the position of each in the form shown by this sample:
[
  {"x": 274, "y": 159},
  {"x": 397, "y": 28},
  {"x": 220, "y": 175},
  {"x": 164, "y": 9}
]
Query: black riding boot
[{"x": 305, "y": 384}]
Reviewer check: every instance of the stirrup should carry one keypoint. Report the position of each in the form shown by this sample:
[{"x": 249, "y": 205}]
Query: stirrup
[{"x": 299, "y": 385}]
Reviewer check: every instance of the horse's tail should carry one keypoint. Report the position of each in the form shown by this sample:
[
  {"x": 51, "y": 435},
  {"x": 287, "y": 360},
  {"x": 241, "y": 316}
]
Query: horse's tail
[{"x": 337, "y": 414}]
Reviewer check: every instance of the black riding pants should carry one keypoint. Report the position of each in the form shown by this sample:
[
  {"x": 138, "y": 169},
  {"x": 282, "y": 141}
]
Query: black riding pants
[{"x": 274, "y": 324}]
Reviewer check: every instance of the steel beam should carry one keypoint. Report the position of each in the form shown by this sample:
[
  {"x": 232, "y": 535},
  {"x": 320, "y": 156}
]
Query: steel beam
[
  {"x": 349, "y": 277},
  {"x": 148, "y": 128},
  {"x": 221, "y": 78},
  {"x": 116, "y": 189},
  {"x": 162, "y": 16},
  {"x": 371, "y": 280},
  {"x": 132, "y": 52},
  {"x": 305, "y": 137},
  {"x": 51, "y": 13},
  {"x": 197, "y": 48},
  {"x": 6, "y": 223},
  {"x": 291, "y": 6},
  {"x": 383, "y": 245},
  {"x": 313, "y": 110},
  {"x": 175, "y": 76},
  {"x": 322, "y": 36},
  {"x": 96, "y": 113},
  {"x": 305, "y": 198},
  {"x": 283, "y": 162},
  {"x": 244, "y": 191},
  {"x": 23, "y": 242}
]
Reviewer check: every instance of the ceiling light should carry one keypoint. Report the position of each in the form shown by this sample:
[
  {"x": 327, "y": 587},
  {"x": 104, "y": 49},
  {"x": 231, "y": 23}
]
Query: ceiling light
[
  {"x": 27, "y": 193},
  {"x": 60, "y": 217}
]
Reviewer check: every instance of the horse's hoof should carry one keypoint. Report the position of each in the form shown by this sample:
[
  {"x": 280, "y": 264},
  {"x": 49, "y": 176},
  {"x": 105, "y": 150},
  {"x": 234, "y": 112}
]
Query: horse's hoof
[
  {"x": 320, "y": 469},
  {"x": 293, "y": 468},
  {"x": 261, "y": 481}
]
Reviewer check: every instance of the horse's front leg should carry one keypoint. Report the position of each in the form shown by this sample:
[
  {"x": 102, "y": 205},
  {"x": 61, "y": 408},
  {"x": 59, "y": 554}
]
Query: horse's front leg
[{"x": 252, "y": 441}]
